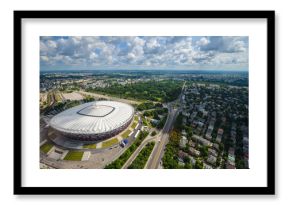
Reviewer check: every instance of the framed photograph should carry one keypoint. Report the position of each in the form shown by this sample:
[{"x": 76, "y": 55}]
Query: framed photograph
[{"x": 144, "y": 102}]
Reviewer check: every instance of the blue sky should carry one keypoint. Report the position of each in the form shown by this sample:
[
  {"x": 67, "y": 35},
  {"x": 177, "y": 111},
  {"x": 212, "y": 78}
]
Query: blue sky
[{"x": 144, "y": 52}]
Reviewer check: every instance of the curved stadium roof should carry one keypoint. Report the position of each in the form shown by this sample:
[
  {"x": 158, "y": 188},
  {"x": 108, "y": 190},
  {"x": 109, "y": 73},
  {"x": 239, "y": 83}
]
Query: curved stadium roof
[{"x": 93, "y": 117}]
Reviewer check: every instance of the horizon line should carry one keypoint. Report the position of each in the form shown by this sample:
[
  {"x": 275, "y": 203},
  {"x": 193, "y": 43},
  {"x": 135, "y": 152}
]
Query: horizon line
[{"x": 227, "y": 70}]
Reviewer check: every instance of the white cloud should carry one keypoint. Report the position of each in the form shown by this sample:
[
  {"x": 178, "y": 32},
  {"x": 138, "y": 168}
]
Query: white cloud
[
  {"x": 203, "y": 41},
  {"x": 143, "y": 51},
  {"x": 44, "y": 58}
]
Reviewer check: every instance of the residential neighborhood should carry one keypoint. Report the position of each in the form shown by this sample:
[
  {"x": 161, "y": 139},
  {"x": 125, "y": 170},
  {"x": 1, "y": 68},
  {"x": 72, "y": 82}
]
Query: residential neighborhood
[{"x": 214, "y": 127}]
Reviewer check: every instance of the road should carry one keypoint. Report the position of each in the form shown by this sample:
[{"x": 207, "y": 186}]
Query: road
[
  {"x": 160, "y": 139},
  {"x": 137, "y": 151},
  {"x": 158, "y": 150}
]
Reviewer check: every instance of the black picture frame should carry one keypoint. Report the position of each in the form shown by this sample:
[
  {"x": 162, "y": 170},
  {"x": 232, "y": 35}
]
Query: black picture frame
[{"x": 268, "y": 190}]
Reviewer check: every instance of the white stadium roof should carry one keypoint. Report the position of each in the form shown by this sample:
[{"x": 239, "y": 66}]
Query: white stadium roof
[{"x": 93, "y": 117}]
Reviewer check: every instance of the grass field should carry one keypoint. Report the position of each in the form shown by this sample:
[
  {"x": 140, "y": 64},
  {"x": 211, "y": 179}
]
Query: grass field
[
  {"x": 110, "y": 142},
  {"x": 46, "y": 147},
  {"x": 57, "y": 97},
  {"x": 90, "y": 146},
  {"x": 134, "y": 125},
  {"x": 126, "y": 134},
  {"x": 136, "y": 118},
  {"x": 74, "y": 156}
]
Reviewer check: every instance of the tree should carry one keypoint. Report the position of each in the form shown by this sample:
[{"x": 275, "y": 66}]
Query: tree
[
  {"x": 204, "y": 151},
  {"x": 187, "y": 166},
  {"x": 198, "y": 164}
]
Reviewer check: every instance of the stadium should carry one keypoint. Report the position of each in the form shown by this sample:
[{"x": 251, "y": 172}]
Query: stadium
[{"x": 93, "y": 121}]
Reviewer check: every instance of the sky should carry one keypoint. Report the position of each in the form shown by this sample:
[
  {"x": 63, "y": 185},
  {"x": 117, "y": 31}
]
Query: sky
[{"x": 144, "y": 52}]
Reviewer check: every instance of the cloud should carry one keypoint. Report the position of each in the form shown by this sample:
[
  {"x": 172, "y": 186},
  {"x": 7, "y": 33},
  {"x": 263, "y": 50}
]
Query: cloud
[
  {"x": 203, "y": 42},
  {"x": 222, "y": 44},
  {"x": 144, "y": 51}
]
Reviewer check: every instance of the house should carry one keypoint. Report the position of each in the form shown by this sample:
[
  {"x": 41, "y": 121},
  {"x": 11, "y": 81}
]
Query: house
[
  {"x": 233, "y": 136},
  {"x": 202, "y": 140},
  {"x": 231, "y": 157},
  {"x": 183, "y": 132},
  {"x": 206, "y": 166},
  {"x": 220, "y": 131},
  {"x": 211, "y": 124},
  {"x": 194, "y": 152},
  {"x": 193, "y": 115},
  {"x": 192, "y": 160},
  {"x": 208, "y": 134},
  {"x": 218, "y": 138},
  {"x": 219, "y": 135},
  {"x": 231, "y": 151},
  {"x": 183, "y": 141},
  {"x": 199, "y": 123},
  {"x": 182, "y": 154},
  {"x": 216, "y": 146},
  {"x": 211, "y": 159},
  {"x": 204, "y": 113},
  {"x": 191, "y": 143},
  {"x": 184, "y": 121},
  {"x": 213, "y": 152},
  {"x": 230, "y": 166}
]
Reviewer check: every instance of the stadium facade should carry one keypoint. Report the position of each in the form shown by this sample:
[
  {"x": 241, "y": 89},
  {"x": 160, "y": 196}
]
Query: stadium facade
[{"x": 93, "y": 121}]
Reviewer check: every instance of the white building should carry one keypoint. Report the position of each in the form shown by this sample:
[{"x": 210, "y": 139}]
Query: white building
[{"x": 93, "y": 121}]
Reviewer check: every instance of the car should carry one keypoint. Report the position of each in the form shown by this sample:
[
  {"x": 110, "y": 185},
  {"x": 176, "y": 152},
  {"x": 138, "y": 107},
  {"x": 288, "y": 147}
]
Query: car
[{"x": 124, "y": 142}]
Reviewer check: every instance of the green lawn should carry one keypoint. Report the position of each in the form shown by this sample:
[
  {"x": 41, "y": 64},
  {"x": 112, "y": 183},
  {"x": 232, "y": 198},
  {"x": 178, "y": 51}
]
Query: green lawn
[
  {"x": 135, "y": 118},
  {"x": 46, "y": 147},
  {"x": 110, "y": 142},
  {"x": 90, "y": 146},
  {"x": 126, "y": 134},
  {"x": 58, "y": 97},
  {"x": 74, "y": 156},
  {"x": 134, "y": 125}
]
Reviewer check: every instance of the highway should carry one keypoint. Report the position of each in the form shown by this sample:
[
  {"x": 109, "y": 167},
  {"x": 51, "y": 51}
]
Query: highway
[
  {"x": 158, "y": 150},
  {"x": 160, "y": 138},
  {"x": 160, "y": 142}
]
